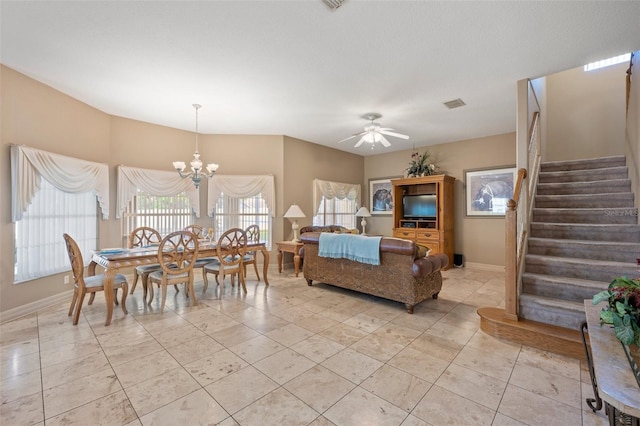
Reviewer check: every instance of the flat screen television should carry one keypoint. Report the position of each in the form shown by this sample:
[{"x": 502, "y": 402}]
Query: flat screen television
[{"x": 419, "y": 207}]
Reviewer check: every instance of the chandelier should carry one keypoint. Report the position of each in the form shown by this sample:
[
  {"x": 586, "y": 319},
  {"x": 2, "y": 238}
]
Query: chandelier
[{"x": 196, "y": 172}]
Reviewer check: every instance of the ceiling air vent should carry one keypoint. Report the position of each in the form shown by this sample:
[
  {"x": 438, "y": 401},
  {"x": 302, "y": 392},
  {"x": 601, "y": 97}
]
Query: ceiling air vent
[
  {"x": 456, "y": 103},
  {"x": 333, "y": 4}
]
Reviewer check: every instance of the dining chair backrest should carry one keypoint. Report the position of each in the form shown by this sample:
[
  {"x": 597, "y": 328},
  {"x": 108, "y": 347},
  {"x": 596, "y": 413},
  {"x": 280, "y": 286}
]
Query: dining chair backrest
[
  {"x": 178, "y": 252},
  {"x": 196, "y": 229},
  {"x": 144, "y": 236},
  {"x": 231, "y": 247},
  {"x": 253, "y": 234},
  {"x": 75, "y": 258}
]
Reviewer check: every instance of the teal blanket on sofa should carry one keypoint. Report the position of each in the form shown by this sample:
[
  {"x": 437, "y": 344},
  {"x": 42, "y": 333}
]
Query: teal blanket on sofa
[{"x": 350, "y": 246}]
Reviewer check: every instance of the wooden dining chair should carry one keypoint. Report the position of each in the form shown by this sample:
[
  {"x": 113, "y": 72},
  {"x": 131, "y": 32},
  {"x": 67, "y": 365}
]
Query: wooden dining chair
[
  {"x": 250, "y": 258},
  {"x": 230, "y": 249},
  {"x": 176, "y": 255},
  {"x": 141, "y": 237},
  {"x": 199, "y": 232},
  {"x": 196, "y": 229},
  {"x": 91, "y": 284}
]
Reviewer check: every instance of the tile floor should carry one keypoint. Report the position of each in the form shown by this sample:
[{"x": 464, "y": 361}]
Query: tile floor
[{"x": 288, "y": 354}]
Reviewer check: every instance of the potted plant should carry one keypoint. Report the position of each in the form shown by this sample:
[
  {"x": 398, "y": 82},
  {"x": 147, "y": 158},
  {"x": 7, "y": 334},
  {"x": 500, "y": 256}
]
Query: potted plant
[
  {"x": 420, "y": 165},
  {"x": 623, "y": 309}
]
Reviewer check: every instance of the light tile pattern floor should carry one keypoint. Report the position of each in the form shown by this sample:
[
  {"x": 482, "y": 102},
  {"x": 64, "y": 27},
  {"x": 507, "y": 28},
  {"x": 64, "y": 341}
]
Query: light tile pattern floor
[{"x": 288, "y": 354}]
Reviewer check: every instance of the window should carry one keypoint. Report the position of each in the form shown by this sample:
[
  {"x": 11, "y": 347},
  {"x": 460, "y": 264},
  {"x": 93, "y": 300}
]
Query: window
[
  {"x": 232, "y": 212},
  {"x": 336, "y": 212},
  {"x": 607, "y": 62},
  {"x": 39, "y": 246},
  {"x": 165, "y": 214}
]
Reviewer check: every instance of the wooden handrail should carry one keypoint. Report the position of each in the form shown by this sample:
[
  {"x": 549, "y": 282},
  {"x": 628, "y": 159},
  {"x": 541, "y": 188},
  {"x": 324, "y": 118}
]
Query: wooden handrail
[{"x": 522, "y": 175}]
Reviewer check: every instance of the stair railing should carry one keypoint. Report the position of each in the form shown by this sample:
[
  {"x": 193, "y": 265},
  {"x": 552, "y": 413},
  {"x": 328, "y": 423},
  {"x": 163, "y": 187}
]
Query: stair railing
[
  {"x": 519, "y": 213},
  {"x": 514, "y": 246}
]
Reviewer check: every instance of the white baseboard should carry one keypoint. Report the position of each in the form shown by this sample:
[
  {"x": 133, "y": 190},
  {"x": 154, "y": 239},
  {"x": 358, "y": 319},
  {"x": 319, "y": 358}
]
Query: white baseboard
[{"x": 33, "y": 307}]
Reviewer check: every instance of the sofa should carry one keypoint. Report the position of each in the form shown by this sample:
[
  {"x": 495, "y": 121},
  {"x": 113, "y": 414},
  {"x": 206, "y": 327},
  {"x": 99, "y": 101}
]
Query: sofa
[{"x": 404, "y": 274}]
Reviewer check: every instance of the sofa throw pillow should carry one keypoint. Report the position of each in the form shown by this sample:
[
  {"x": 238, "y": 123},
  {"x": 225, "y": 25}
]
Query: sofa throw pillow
[{"x": 422, "y": 251}]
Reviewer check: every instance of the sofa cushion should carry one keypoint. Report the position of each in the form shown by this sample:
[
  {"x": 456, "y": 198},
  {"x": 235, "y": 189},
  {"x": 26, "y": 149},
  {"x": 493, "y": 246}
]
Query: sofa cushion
[{"x": 421, "y": 251}]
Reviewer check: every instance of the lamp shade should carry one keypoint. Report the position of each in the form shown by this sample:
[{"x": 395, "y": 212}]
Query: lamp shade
[
  {"x": 363, "y": 212},
  {"x": 294, "y": 212}
]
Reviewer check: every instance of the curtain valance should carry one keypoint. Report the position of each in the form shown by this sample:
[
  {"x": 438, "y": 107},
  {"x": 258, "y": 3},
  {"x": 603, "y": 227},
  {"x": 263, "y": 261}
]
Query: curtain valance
[
  {"x": 330, "y": 190},
  {"x": 68, "y": 174},
  {"x": 160, "y": 183},
  {"x": 242, "y": 186}
]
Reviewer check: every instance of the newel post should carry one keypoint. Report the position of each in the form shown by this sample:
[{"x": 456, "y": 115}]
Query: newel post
[{"x": 511, "y": 267}]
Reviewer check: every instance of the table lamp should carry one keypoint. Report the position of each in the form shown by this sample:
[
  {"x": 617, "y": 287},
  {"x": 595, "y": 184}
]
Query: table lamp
[
  {"x": 363, "y": 212},
  {"x": 294, "y": 213}
]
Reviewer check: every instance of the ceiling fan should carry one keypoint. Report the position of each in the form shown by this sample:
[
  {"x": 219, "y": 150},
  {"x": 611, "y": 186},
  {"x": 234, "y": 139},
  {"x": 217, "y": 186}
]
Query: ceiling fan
[{"x": 374, "y": 133}]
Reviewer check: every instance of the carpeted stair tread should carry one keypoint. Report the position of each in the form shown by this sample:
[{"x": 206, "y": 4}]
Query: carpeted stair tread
[
  {"x": 582, "y": 215},
  {"x": 594, "y": 187},
  {"x": 584, "y": 175},
  {"x": 586, "y": 231},
  {"x": 548, "y": 310},
  {"x": 602, "y": 250},
  {"x": 565, "y": 288},
  {"x": 598, "y": 270},
  {"x": 586, "y": 163},
  {"x": 608, "y": 199}
]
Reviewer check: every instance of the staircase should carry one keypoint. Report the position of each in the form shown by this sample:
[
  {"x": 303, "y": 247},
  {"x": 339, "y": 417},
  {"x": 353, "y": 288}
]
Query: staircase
[{"x": 584, "y": 232}]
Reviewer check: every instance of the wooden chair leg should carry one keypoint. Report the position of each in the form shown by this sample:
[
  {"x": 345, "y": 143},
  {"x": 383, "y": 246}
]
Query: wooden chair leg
[
  {"x": 192, "y": 291},
  {"x": 150, "y": 288},
  {"x": 241, "y": 279},
  {"x": 73, "y": 301},
  {"x": 76, "y": 315},
  {"x": 205, "y": 280},
  {"x": 135, "y": 280},
  {"x": 164, "y": 296},
  {"x": 91, "y": 298},
  {"x": 255, "y": 267},
  {"x": 125, "y": 291}
]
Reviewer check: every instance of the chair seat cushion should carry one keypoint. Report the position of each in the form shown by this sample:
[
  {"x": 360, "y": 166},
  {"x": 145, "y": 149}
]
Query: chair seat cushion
[
  {"x": 98, "y": 280},
  {"x": 157, "y": 275},
  {"x": 147, "y": 269},
  {"x": 204, "y": 260},
  {"x": 248, "y": 258}
]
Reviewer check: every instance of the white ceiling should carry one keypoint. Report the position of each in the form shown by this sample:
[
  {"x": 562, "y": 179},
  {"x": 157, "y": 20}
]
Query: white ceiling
[{"x": 297, "y": 68}]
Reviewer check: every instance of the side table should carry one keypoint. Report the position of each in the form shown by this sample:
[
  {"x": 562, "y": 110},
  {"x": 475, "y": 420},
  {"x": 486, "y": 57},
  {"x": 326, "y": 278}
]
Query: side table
[{"x": 289, "y": 247}]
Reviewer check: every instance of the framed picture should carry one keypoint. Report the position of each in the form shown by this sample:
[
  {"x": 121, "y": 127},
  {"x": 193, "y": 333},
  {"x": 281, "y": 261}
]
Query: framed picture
[
  {"x": 381, "y": 196},
  {"x": 487, "y": 191}
]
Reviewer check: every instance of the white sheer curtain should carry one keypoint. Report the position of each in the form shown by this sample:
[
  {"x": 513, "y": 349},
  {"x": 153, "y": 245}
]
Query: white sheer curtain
[
  {"x": 241, "y": 186},
  {"x": 330, "y": 190},
  {"x": 68, "y": 174},
  {"x": 153, "y": 182}
]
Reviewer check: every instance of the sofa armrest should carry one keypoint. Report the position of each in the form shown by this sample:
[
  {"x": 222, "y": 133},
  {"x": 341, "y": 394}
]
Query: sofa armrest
[{"x": 427, "y": 265}]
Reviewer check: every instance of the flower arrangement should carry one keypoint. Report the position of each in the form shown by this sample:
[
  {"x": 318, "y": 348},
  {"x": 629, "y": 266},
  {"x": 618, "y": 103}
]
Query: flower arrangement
[
  {"x": 623, "y": 311},
  {"x": 420, "y": 165}
]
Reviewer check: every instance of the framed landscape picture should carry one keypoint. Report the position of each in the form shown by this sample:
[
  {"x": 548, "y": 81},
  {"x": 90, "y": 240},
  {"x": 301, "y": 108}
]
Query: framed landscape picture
[
  {"x": 487, "y": 191},
  {"x": 381, "y": 196}
]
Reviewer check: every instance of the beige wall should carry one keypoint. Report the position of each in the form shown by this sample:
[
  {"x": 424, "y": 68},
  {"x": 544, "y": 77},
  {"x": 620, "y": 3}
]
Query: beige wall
[
  {"x": 35, "y": 115},
  {"x": 304, "y": 162},
  {"x": 585, "y": 114},
  {"x": 479, "y": 240}
]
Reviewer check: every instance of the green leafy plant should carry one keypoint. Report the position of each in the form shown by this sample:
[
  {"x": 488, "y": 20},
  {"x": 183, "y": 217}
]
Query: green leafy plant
[
  {"x": 623, "y": 310},
  {"x": 420, "y": 165}
]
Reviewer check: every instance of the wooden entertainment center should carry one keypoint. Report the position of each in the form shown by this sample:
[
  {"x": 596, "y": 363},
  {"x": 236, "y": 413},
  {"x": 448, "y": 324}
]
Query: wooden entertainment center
[{"x": 435, "y": 232}]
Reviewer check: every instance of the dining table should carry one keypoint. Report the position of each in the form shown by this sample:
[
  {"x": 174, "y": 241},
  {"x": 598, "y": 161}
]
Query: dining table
[{"x": 112, "y": 260}]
